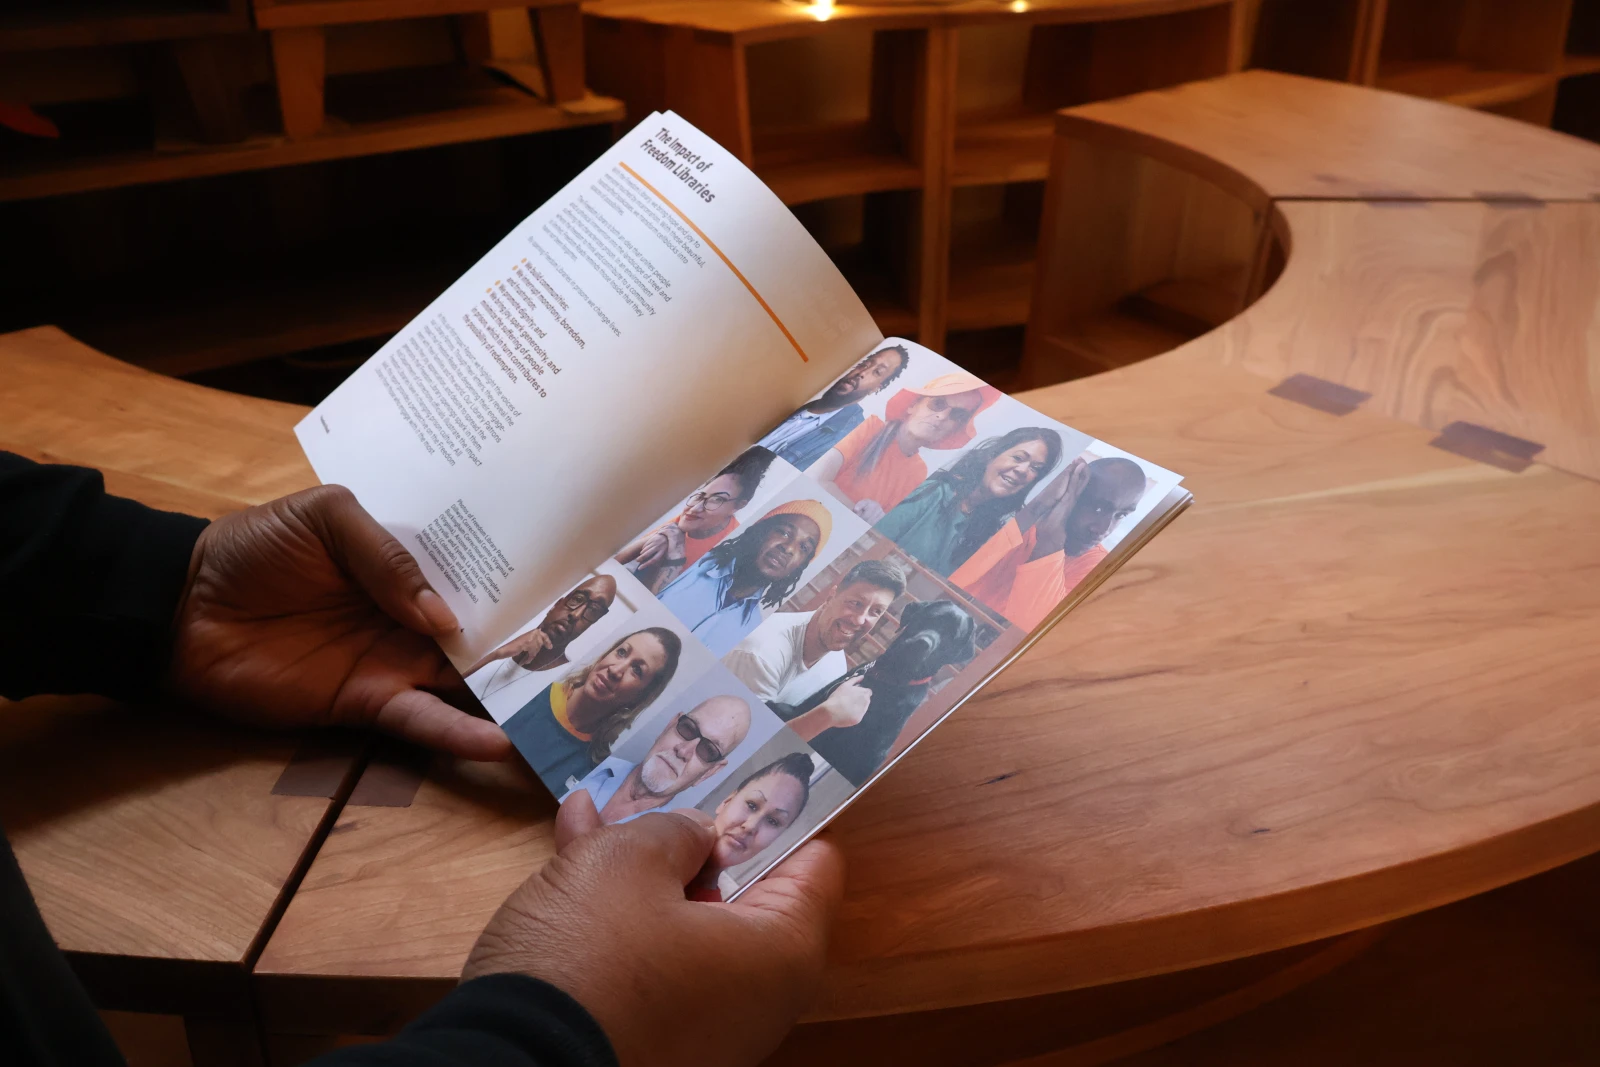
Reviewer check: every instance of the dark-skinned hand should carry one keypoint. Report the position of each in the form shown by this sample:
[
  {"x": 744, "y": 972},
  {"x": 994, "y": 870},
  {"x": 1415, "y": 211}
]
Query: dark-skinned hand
[
  {"x": 673, "y": 982},
  {"x": 305, "y": 612}
]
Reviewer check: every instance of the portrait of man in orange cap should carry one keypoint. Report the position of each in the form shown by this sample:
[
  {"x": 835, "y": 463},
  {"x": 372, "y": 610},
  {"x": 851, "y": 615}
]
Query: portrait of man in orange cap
[
  {"x": 879, "y": 462},
  {"x": 721, "y": 598}
]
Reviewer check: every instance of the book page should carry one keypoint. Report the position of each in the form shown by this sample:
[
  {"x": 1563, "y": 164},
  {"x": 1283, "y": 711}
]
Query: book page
[
  {"x": 770, "y": 644},
  {"x": 637, "y": 330}
]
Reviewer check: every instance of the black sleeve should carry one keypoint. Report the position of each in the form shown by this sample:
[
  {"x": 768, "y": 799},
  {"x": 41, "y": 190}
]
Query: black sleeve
[
  {"x": 502, "y": 1020},
  {"x": 88, "y": 583}
]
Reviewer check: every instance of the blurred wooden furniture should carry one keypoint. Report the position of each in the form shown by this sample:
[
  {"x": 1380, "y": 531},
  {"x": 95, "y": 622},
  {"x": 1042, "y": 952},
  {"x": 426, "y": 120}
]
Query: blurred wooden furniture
[
  {"x": 1350, "y": 685},
  {"x": 415, "y": 84},
  {"x": 201, "y": 185},
  {"x": 156, "y": 846},
  {"x": 1466, "y": 286},
  {"x": 1505, "y": 56},
  {"x": 925, "y": 191},
  {"x": 546, "y": 54}
]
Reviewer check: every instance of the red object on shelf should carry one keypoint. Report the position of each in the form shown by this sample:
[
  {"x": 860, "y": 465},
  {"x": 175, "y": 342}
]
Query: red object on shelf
[{"x": 25, "y": 120}]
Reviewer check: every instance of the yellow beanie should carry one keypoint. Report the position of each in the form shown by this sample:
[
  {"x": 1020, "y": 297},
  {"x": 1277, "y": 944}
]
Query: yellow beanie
[{"x": 811, "y": 509}]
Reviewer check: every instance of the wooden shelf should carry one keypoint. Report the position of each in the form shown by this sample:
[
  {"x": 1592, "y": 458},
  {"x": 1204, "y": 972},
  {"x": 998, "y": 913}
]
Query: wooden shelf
[
  {"x": 1108, "y": 340},
  {"x": 991, "y": 277},
  {"x": 1005, "y": 147},
  {"x": 466, "y": 105},
  {"x": 878, "y": 291},
  {"x": 1574, "y": 65},
  {"x": 87, "y": 25},
  {"x": 1457, "y": 82},
  {"x": 819, "y": 163},
  {"x": 280, "y": 14},
  {"x": 197, "y": 332}
]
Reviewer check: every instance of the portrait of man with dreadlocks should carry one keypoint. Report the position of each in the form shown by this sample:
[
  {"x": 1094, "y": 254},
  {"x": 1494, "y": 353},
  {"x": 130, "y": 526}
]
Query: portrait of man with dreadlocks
[{"x": 726, "y": 594}]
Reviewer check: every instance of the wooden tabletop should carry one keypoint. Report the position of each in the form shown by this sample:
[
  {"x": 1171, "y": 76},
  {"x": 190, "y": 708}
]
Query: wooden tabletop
[
  {"x": 1348, "y": 685},
  {"x": 1343, "y": 688},
  {"x": 155, "y": 845},
  {"x": 1302, "y": 138}
]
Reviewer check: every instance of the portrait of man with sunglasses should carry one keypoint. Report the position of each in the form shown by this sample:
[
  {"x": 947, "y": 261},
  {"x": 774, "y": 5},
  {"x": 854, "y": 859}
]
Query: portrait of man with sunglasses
[{"x": 692, "y": 746}]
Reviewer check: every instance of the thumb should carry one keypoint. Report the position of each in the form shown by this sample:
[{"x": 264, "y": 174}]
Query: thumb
[
  {"x": 377, "y": 562},
  {"x": 670, "y": 846},
  {"x": 804, "y": 889},
  {"x": 576, "y": 817}
]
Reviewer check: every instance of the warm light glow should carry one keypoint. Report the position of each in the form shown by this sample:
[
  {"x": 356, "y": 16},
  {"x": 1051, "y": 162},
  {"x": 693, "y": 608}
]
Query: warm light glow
[
  {"x": 821, "y": 10},
  {"x": 1019, "y": 6}
]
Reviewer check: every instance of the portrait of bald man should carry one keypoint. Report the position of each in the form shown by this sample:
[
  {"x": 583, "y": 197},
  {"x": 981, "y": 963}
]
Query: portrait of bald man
[
  {"x": 544, "y": 648},
  {"x": 693, "y": 746}
]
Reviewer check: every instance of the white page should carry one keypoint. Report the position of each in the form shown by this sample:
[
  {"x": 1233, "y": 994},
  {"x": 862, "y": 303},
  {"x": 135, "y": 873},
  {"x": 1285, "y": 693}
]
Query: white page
[{"x": 728, "y": 316}]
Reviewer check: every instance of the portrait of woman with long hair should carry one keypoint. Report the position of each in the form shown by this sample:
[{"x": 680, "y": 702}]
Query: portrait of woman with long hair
[
  {"x": 571, "y": 725},
  {"x": 947, "y": 518}
]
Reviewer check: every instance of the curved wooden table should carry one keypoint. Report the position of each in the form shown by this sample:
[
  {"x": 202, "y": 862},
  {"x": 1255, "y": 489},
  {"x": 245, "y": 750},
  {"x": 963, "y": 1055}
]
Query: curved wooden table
[
  {"x": 1348, "y": 686},
  {"x": 1356, "y": 681}
]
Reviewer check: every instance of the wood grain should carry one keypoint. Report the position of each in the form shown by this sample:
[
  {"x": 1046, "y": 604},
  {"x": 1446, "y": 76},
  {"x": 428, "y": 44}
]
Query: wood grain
[
  {"x": 73, "y": 405},
  {"x": 1485, "y": 313},
  {"x": 1300, "y": 138},
  {"x": 152, "y": 841}
]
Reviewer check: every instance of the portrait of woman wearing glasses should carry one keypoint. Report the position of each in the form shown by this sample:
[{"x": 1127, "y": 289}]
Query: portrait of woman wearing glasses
[
  {"x": 571, "y": 725},
  {"x": 692, "y": 746},
  {"x": 706, "y": 519}
]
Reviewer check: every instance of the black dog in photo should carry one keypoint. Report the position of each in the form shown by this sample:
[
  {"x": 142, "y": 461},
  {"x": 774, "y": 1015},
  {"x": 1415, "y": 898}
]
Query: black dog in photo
[{"x": 933, "y": 633}]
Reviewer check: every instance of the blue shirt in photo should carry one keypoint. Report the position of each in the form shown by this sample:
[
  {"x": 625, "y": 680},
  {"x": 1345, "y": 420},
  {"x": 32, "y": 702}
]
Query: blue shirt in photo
[
  {"x": 699, "y": 598},
  {"x": 803, "y": 438}
]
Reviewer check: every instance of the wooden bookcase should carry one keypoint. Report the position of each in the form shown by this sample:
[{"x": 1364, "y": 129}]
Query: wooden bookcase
[
  {"x": 212, "y": 91},
  {"x": 912, "y": 139},
  {"x": 1510, "y": 57},
  {"x": 159, "y": 93}
]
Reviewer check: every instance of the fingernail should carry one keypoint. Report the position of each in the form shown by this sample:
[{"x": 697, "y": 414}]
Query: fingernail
[{"x": 436, "y": 611}]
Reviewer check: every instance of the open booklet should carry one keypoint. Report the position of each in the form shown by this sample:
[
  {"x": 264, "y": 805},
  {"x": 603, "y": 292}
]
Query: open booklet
[{"x": 713, "y": 540}]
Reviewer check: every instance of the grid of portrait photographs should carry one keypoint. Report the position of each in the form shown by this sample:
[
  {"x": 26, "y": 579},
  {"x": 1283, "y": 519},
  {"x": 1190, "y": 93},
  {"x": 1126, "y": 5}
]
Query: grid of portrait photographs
[{"x": 765, "y": 649}]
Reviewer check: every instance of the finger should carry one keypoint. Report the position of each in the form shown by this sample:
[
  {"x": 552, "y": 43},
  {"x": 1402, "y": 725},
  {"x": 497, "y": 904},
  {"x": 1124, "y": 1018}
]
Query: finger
[
  {"x": 426, "y": 720},
  {"x": 672, "y": 845},
  {"x": 804, "y": 889},
  {"x": 576, "y": 817},
  {"x": 379, "y": 564}
]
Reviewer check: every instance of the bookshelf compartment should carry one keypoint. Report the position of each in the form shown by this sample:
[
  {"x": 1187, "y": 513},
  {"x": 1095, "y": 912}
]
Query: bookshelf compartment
[
  {"x": 821, "y": 123},
  {"x": 1475, "y": 53},
  {"x": 1012, "y": 78},
  {"x": 872, "y": 239},
  {"x": 1320, "y": 40},
  {"x": 994, "y": 240}
]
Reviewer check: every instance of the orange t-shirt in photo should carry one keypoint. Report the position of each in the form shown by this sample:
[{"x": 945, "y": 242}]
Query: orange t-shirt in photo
[
  {"x": 891, "y": 478},
  {"x": 695, "y": 547},
  {"x": 1000, "y": 575}
]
